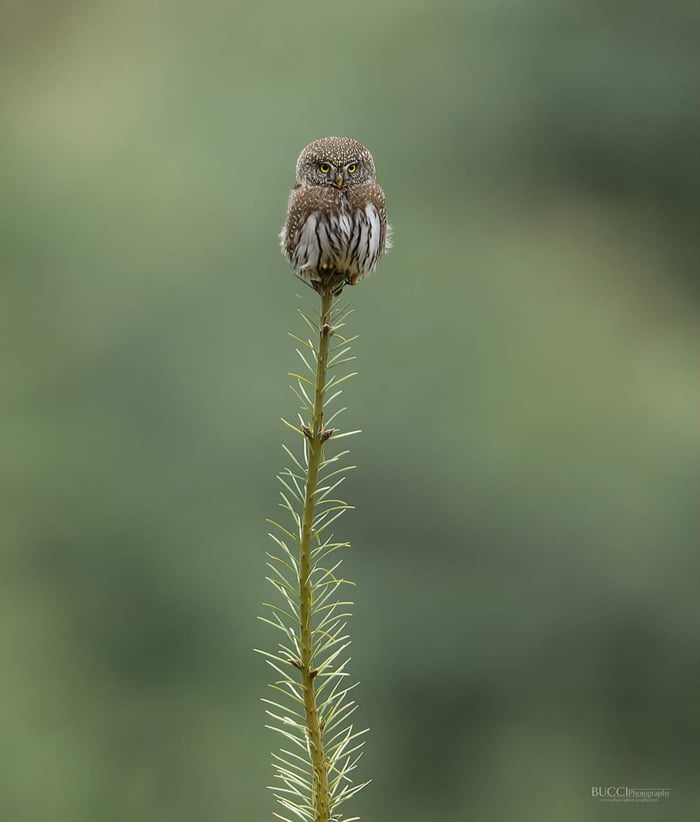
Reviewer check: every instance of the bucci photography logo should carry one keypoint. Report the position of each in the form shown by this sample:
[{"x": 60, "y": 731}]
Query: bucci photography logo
[{"x": 622, "y": 793}]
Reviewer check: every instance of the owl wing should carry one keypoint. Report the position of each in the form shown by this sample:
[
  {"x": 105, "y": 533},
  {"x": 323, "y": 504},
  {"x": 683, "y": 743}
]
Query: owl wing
[
  {"x": 372, "y": 232},
  {"x": 303, "y": 202},
  {"x": 378, "y": 200},
  {"x": 369, "y": 197}
]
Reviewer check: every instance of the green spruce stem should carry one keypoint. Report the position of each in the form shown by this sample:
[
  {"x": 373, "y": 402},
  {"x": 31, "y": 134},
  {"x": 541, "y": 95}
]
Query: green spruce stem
[
  {"x": 316, "y": 438},
  {"x": 311, "y": 661}
]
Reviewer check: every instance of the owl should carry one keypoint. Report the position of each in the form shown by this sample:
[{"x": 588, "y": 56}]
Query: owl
[{"x": 336, "y": 228}]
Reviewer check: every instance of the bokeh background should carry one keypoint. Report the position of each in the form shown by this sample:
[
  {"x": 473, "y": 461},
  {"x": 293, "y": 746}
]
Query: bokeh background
[{"x": 526, "y": 614}]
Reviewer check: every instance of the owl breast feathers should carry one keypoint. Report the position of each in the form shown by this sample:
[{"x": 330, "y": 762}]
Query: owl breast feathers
[{"x": 336, "y": 220}]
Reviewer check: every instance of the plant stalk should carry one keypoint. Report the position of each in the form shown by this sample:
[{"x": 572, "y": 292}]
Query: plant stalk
[{"x": 315, "y": 439}]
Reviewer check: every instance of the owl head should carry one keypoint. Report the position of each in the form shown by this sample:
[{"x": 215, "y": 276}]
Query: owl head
[{"x": 335, "y": 161}]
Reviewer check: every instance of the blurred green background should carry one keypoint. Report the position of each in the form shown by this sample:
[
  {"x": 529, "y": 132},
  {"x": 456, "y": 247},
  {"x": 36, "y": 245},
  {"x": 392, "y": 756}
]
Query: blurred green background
[{"x": 526, "y": 614}]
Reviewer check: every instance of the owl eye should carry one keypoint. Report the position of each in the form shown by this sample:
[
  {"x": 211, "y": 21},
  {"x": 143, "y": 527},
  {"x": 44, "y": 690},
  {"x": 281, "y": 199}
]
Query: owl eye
[
  {"x": 325, "y": 168},
  {"x": 352, "y": 168}
]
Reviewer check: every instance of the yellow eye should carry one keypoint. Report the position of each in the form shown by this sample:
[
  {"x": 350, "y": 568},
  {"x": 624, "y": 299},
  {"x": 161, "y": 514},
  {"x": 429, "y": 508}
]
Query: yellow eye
[
  {"x": 351, "y": 169},
  {"x": 325, "y": 168}
]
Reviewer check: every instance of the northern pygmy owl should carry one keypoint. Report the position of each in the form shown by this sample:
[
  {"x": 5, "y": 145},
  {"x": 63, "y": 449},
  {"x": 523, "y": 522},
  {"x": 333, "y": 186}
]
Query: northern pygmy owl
[{"x": 336, "y": 224}]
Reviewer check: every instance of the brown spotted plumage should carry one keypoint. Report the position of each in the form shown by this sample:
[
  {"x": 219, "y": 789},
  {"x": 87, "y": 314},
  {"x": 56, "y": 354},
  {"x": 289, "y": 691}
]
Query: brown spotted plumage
[{"x": 336, "y": 220}]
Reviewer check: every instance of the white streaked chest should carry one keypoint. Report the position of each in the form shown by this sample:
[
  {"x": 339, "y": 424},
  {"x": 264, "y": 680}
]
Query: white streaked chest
[{"x": 345, "y": 239}]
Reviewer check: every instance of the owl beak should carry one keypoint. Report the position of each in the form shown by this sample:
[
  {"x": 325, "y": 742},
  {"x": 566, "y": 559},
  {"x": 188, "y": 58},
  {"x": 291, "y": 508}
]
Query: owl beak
[{"x": 339, "y": 180}]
